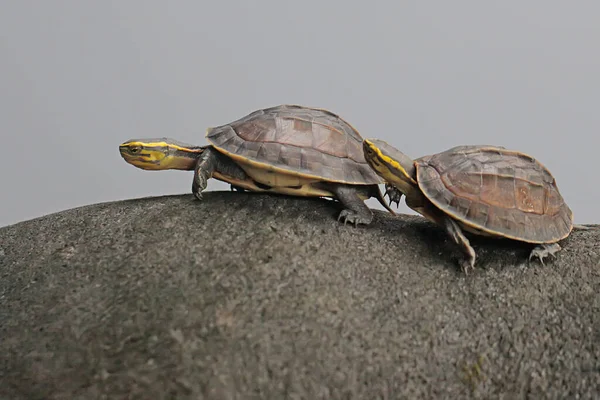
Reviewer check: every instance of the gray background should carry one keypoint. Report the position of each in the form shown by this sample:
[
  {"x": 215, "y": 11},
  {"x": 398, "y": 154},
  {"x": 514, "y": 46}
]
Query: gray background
[{"x": 78, "y": 78}]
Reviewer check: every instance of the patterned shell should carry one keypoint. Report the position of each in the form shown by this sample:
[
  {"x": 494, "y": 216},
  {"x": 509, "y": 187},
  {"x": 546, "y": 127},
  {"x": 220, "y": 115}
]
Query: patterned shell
[
  {"x": 297, "y": 140},
  {"x": 496, "y": 191}
]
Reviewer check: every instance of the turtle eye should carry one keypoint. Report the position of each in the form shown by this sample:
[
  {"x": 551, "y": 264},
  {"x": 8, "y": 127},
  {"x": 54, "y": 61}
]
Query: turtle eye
[{"x": 135, "y": 149}]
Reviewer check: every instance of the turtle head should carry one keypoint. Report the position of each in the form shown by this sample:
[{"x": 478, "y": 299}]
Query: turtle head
[
  {"x": 391, "y": 164},
  {"x": 160, "y": 154}
]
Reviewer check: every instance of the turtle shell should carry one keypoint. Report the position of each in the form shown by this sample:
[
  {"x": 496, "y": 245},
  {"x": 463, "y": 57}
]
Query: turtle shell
[
  {"x": 302, "y": 141},
  {"x": 496, "y": 191}
]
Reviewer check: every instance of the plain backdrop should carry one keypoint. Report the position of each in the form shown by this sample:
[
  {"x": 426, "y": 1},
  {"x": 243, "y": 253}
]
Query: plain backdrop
[{"x": 78, "y": 78}]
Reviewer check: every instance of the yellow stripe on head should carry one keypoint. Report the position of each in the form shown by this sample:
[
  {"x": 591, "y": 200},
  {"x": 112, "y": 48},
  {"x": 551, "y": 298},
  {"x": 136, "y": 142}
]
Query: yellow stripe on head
[
  {"x": 392, "y": 165},
  {"x": 160, "y": 154}
]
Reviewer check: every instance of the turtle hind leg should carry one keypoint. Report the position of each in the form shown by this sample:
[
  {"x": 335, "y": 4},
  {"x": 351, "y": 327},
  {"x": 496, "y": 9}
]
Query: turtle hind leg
[
  {"x": 209, "y": 162},
  {"x": 355, "y": 210},
  {"x": 468, "y": 261},
  {"x": 544, "y": 250}
]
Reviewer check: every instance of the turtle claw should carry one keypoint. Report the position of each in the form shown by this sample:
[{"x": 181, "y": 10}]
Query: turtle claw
[
  {"x": 352, "y": 217},
  {"x": 467, "y": 261},
  {"x": 544, "y": 250},
  {"x": 206, "y": 166},
  {"x": 198, "y": 186},
  {"x": 467, "y": 264},
  {"x": 393, "y": 194}
]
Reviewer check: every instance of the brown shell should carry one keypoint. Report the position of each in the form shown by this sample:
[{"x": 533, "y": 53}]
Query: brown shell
[
  {"x": 297, "y": 140},
  {"x": 497, "y": 191}
]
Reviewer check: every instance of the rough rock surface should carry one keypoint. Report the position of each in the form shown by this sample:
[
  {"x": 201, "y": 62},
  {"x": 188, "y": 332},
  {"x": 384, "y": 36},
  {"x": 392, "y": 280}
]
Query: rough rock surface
[{"x": 258, "y": 296}]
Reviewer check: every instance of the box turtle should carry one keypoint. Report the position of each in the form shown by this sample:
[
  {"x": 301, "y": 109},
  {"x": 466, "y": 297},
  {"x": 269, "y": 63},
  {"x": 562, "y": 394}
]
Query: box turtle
[
  {"x": 286, "y": 149},
  {"x": 479, "y": 189}
]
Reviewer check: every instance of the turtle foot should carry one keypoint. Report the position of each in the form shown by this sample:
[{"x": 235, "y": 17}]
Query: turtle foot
[
  {"x": 467, "y": 264},
  {"x": 467, "y": 261},
  {"x": 199, "y": 185},
  {"x": 544, "y": 250},
  {"x": 393, "y": 194},
  {"x": 349, "y": 216}
]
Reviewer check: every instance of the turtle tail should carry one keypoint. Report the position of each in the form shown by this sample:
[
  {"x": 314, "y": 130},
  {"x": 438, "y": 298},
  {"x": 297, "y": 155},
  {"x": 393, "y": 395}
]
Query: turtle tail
[{"x": 379, "y": 196}]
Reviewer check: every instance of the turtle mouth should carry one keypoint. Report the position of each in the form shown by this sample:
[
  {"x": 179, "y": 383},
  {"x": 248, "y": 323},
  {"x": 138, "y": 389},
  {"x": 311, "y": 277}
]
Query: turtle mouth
[
  {"x": 376, "y": 164},
  {"x": 140, "y": 159},
  {"x": 373, "y": 159},
  {"x": 129, "y": 156}
]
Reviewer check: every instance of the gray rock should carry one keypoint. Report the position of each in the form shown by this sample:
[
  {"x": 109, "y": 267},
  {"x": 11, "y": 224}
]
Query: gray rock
[{"x": 257, "y": 296}]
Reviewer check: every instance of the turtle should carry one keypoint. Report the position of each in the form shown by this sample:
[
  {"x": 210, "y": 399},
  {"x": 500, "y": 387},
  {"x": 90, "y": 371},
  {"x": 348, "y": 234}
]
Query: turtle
[
  {"x": 286, "y": 149},
  {"x": 483, "y": 190}
]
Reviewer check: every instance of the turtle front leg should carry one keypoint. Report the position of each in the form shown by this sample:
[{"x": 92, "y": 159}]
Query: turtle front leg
[
  {"x": 355, "y": 210},
  {"x": 454, "y": 230},
  {"x": 209, "y": 162},
  {"x": 544, "y": 250},
  {"x": 393, "y": 194}
]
